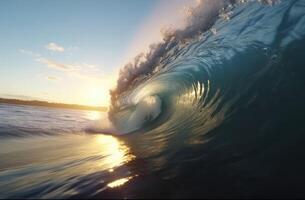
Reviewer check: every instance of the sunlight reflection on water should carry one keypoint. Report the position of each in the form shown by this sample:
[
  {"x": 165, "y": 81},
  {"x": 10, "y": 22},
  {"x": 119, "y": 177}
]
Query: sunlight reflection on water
[
  {"x": 119, "y": 182},
  {"x": 93, "y": 115},
  {"x": 52, "y": 160},
  {"x": 116, "y": 151}
]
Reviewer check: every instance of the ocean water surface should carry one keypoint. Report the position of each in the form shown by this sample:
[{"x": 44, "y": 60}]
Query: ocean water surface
[
  {"x": 215, "y": 111},
  {"x": 46, "y": 153}
]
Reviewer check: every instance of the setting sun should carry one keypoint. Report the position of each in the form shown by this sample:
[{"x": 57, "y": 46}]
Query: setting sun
[
  {"x": 97, "y": 96},
  {"x": 96, "y": 91}
]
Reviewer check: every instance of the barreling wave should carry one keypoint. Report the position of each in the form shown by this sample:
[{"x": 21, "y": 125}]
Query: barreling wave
[
  {"x": 230, "y": 56},
  {"x": 217, "y": 110}
]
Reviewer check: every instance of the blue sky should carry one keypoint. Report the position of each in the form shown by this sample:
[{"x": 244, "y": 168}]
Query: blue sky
[{"x": 71, "y": 50}]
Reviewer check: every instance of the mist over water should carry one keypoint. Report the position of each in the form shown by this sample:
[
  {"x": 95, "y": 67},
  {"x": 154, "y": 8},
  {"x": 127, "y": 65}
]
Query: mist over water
[{"x": 216, "y": 110}]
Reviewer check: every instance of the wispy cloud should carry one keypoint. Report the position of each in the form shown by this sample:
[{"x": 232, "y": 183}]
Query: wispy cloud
[
  {"x": 52, "y": 78},
  {"x": 57, "y": 65},
  {"x": 80, "y": 71},
  {"x": 90, "y": 66},
  {"x": 55, "y": 47}
]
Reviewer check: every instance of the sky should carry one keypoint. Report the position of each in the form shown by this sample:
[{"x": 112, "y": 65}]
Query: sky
[{"x": 70, "y": 51}]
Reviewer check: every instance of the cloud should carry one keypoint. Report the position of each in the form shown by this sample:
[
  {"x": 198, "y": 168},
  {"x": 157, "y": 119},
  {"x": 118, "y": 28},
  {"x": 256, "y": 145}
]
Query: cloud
[
  {"x": 89, "y": 65},
  {"x": 57, "y": 65},
  {"x": 52, "y": 78},
  {"x": 80, "y": 71},
  {"x": 55, "y": 47},
  {"x": 83, "y": 71}
]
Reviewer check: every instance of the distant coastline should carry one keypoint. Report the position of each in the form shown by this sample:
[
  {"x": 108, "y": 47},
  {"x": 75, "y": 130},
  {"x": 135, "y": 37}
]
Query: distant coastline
[{"x": 51, "y": 105}]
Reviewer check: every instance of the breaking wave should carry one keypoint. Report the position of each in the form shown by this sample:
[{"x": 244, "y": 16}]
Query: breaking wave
[{"x": 234, "y": 58}]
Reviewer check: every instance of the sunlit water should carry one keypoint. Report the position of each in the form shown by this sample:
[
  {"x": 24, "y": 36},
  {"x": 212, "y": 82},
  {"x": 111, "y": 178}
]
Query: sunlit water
[
  {"x": 52, "y": 161},
  {"x": 221, "y": 116}
]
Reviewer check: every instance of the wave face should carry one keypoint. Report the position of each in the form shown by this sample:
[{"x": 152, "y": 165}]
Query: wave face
[
  {"x": 230, "y": 100},
  {"x": 237, "y": 62},
  {"x": 233, "y": 89}
]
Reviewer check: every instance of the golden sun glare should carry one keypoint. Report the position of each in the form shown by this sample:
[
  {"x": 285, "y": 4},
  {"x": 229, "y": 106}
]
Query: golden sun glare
[{"x": 97, "y": 96}]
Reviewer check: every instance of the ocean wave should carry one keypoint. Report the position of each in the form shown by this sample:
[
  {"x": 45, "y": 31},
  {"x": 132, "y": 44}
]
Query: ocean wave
[{"x": 213, "y": 69}]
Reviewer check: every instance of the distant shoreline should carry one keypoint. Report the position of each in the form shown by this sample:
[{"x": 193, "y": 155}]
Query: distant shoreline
[{"x": 50, "y": 105}]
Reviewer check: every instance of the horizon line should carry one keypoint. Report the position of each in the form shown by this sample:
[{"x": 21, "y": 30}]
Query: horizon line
[{"x": 44, "y": 103}]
